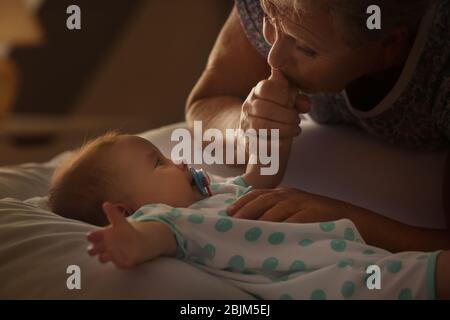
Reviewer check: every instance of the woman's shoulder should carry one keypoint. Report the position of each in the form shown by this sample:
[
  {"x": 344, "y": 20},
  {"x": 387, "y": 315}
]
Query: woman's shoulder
[
  {"x": 416, "y": 112},
  {"x": 424, "y": 100},
  {"x": 251, "y": 16}
]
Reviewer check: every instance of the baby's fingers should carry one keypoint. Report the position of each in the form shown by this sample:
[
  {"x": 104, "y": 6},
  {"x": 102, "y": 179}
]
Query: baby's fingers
[
  {"x": 104, "y": 257},
  {"x": 95, "y": 249},
  {"x": 95, "y": 236}
]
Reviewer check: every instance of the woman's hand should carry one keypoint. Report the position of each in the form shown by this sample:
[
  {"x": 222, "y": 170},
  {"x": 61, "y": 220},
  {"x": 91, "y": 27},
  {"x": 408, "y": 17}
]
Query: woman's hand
[
  {"x": 274, "y": 104},
  {"x": 292, "y": 205},
  {"x": 288, "y": 205}
]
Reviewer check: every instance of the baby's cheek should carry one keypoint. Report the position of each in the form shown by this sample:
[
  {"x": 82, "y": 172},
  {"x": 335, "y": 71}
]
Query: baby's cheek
[
  {"x": 181, "y": 195},
  {"x": 180, "y": 183}
]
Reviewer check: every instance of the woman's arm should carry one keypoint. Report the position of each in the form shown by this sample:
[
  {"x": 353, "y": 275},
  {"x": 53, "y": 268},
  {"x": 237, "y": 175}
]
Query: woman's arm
[
  {"x": 234, "y": 92},
  {"x": 233, "y": 68},
  {"x": 395, "y": 236},
  {"x": 292, "y": 205}
]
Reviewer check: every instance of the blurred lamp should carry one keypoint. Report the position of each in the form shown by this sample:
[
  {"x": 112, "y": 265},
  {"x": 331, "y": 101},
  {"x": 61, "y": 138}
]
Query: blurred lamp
[{"x": 18, "y": 27}]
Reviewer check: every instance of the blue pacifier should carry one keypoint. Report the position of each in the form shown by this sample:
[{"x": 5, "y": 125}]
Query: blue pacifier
[{"x": 201, "y": 181}]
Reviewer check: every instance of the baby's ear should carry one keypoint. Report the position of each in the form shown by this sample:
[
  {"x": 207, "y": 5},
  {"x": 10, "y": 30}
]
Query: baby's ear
[
  {"x": 114, "y": 208},
  {"x": 119, "y": 207},
  {"x": 109, "y": 207},
  {"x": 113, "y": 213},
  {"x": 126, "y": 211}
]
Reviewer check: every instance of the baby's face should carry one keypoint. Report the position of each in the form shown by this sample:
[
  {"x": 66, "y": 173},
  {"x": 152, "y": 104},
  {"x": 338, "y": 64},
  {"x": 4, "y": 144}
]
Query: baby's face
[{"x": 149, "y": 177}]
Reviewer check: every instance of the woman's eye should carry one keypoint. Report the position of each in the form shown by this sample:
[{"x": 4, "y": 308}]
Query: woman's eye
[
  {"x": 158, "y": 163},
  {"x": 307, "y": 52}
]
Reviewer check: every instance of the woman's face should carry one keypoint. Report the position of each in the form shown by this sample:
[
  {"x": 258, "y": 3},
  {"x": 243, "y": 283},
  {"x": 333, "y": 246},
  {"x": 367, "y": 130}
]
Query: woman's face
[{"x": 311, "y": 53}]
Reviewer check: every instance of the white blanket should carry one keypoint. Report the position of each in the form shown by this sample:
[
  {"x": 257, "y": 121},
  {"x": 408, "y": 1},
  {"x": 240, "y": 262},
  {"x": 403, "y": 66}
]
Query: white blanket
[{"x": 36, "y": 246}]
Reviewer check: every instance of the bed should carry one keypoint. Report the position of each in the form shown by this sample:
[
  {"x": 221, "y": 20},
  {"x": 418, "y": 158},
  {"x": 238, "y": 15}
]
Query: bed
[{"x": 37, "y": 246}]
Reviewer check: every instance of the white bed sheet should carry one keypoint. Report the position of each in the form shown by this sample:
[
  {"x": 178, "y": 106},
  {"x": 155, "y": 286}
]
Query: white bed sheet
[{"x": 36, "y": 246}]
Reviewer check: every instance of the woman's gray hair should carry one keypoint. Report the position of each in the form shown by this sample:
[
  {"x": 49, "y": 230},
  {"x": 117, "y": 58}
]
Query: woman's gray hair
[{"x": 350, "y": 16}]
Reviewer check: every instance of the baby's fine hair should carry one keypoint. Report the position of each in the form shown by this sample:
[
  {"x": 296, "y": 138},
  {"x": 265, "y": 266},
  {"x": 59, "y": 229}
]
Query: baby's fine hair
[{"x": 81, "y": 184}]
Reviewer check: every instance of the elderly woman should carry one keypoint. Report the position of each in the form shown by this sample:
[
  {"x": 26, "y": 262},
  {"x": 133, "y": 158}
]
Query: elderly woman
[{"x": 392, "y": 82}]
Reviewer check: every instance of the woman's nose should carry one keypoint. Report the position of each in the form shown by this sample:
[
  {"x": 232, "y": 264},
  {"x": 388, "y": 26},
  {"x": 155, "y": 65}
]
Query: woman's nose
[{"x": 278, "y": 53}]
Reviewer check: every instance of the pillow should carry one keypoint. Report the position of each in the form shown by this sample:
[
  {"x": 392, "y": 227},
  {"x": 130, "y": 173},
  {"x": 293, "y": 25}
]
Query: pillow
[{"x": 38, "y": 246}]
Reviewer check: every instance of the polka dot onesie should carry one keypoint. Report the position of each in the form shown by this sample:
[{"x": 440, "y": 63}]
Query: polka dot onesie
[{"x": 273, "y": 260}]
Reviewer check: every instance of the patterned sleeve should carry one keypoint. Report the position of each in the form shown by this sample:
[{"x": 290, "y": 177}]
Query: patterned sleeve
[
  {"x": 239, "y": 181},
  {"x": 441, "y": 109},
  {"x": 215, "y": 240},
  {"x": 251, "y": 16}
]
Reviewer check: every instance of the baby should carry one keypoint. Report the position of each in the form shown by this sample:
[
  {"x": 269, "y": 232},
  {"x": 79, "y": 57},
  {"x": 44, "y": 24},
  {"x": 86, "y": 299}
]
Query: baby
[
  {"x": 148, "y": 207},
  {"x": 127, "y": 172}
]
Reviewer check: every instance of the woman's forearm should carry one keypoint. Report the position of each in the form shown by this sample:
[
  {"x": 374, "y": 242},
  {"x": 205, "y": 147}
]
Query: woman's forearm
[
  {"x": 221, "y": 113},
  {"x": 380, "y": 231}
]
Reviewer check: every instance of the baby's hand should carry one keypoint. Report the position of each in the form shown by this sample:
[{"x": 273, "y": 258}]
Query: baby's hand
[
  {"x": 119, "y": 242},
  {"x": 274, "y": 103}
]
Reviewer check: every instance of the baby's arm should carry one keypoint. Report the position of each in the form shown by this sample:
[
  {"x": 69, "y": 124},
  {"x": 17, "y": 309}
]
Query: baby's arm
[
  {"x": 128, "y": 244},
  {"x": 253, "y": 176},
  {"x": 278, "y": 90}
]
